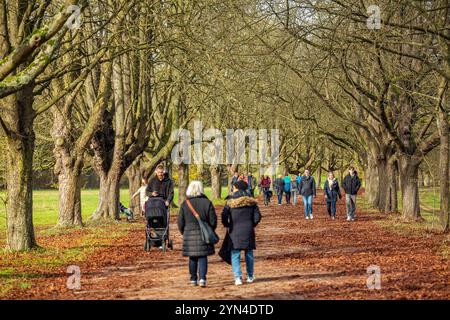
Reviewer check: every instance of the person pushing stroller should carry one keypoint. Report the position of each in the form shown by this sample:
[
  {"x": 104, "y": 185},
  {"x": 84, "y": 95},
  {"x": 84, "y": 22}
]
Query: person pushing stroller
[
  {"x": 160, "y": 185},
  {"x": 160, "y": 192}
]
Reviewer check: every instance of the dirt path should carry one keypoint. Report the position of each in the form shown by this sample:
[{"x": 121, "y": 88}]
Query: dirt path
[{"x": 295, "y": 259}]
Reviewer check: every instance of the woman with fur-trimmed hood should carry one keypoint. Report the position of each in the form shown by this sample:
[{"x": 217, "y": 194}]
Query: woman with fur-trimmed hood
[{"x": 241, "y": 215}]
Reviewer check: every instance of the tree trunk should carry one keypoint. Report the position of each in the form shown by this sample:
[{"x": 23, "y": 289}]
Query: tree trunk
[
  {"x": 19, "y": 174},
  {"x": 69, "y": 213},
  {"x": 108, "y": 206},
  {"x": 383, "y": 185},
  {"x": 393, "y": 187},
  {"x": 216, "y": 187},
  {"x": 372, "y": 187},
  {"x": 391, "y": 203},
  {"x": 19, "y": 206},
  {"x": 421, "y": 179},
  {"x": 409, "y": 169},
  {"x": 68, "y": 166},
  {"x": 444, "y": 163},
  {"x": 134, "y": 183},
  {"x": 426, "y": 179},
  {"x": 319, "y": 176},
  {"x": 183, "y": 181}
]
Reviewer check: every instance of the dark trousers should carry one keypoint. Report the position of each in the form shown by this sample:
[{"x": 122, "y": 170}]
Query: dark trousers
[
  {"x": 331, "y": 208},
  {"x": 200, "y": 264},
  {"x": 288, "y": 197}
]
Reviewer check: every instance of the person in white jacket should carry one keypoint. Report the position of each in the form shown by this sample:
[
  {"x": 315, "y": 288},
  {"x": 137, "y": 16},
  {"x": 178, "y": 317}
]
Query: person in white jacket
[{"x": 142, "y": 192}]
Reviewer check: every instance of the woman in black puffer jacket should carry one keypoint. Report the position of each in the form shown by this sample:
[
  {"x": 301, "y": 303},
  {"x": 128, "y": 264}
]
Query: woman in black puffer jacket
[
  {"x": 241, "y": 215},
  {"x": 193, "y": 245}
]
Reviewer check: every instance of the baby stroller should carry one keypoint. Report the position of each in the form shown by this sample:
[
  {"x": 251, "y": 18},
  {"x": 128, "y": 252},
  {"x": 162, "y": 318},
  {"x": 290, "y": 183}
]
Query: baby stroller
[{"x": 157, "y": 228}]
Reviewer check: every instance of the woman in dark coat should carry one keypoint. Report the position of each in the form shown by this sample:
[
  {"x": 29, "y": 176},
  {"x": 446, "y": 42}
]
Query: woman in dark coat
[
  {"x": 332, "y": 193},
  {"x": 193, "y": 245},
  {"x": 240, "y": 216}
]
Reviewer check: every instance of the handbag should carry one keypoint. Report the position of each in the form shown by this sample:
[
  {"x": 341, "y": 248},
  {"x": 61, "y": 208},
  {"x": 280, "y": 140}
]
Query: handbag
[
  {"x": 209, "y": 236},
  {"x": 225, "y": 250}
]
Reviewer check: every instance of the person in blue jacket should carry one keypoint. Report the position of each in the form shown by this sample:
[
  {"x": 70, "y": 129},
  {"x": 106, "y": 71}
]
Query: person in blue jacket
[
  {"x": 287, "y": 188},
  {"x": 299, "y": 179}
]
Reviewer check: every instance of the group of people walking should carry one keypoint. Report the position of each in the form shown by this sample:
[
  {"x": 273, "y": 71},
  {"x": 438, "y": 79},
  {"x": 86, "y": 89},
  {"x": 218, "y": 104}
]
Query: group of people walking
[
  {"x": 241, "y": 214},
  {"x": 298, "y": 185},
  {"x": 305, "y": 186}
]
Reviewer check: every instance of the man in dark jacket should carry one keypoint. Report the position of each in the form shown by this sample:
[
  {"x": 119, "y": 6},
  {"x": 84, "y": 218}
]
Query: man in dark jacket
[
  {"x": 161, "y": 185},
  {"x": 278, "y": 185},
  {"x": 308, "y": 190},
  {"x": 351, "y": 185},
  {"x": 241, "y": 215},
  {"x": 193, "y": 245}
]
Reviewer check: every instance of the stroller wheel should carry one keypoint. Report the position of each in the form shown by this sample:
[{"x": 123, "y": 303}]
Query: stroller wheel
[
  {"x": 164, "y": 247},
  {"x": 147, "y": 245},
  {"x": 171, "y": 245}
]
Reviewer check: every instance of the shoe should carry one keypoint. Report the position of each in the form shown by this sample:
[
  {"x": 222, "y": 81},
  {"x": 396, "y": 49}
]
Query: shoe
[
  {"x": 250, "y": 279},
  {"x": 353, "y": 219},
  {"x": 202, "y": 283},
  {"x": 348, "y": 218},
  {"x": 307, "y": 217},
  {"x": 311, "y": 216},
  {"x": 332, "y": 218},
  {"x": 238, "y": 282},
  {"x": 193, "y": 283}
]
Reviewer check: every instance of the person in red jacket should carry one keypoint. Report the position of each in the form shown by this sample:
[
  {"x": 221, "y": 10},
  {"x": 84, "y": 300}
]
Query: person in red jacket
[{"x": 265, "y": 188}]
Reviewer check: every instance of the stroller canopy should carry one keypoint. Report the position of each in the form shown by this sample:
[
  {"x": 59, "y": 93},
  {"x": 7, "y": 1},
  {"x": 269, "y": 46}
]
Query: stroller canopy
[{"x": 155, "y": 207}]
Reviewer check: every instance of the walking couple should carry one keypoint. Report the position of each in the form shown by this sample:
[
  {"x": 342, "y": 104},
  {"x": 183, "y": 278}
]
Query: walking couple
[
  {"x": 332, "y": 192},
  {"x": 240, "y": 216}
]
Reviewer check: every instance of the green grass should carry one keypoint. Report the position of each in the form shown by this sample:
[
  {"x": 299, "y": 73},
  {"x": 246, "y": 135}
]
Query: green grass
[
  {"x": 430, "y": 198},
  {"x": 429, "y": 202},
  {"x": 19, "y": 269},
  {"x": 45, "y": 205}
]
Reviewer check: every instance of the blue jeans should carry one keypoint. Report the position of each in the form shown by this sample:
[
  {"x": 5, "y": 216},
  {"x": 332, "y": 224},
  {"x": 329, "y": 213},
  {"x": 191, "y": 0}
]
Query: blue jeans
[
  {"x": 200, "y": 263},
  {"x": 307, "y": 201},
  {"x": 236, "y": 263},
  {"x": 331, "y": 208},
  {"x": 280, "y": 197}
]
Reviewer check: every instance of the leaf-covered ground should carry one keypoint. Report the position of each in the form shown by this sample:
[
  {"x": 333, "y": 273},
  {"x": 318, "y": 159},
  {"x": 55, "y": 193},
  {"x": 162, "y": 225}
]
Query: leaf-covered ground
[{"x": 295, "y": 259}]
